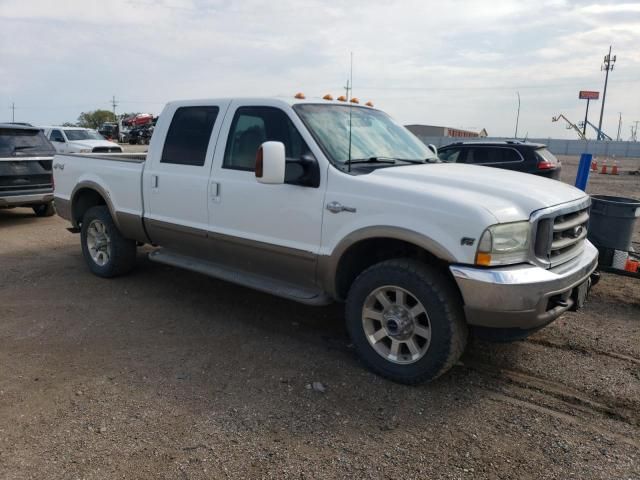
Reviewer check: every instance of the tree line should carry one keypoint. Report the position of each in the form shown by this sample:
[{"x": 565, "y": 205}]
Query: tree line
[{"x": 94, "y": 119}]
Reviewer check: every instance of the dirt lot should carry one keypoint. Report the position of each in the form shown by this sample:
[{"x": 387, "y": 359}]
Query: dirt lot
[{"x": 169, "y": 374}]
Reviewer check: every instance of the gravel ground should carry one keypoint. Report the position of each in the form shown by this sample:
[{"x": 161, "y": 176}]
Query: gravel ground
[{"x": 169, "y": 374}]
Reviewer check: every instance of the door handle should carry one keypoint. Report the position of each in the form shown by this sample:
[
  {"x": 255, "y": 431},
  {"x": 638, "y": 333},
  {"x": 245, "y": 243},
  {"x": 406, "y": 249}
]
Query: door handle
[
  {"x": 154, "y": 181},
  {"x": 337, "y": 207},
  {"x": 214, "y": 191}
]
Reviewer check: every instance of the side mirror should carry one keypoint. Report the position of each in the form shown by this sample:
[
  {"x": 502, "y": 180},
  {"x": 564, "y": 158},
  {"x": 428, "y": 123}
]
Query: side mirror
[
  {"x": 433, "y": 148},
  {"x": 270, "y": 163}
]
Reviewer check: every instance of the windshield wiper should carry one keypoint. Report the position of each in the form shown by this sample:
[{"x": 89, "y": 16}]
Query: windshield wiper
[
  {"x": 372, "y": 160},
  {"x": 393, "y": 161}
]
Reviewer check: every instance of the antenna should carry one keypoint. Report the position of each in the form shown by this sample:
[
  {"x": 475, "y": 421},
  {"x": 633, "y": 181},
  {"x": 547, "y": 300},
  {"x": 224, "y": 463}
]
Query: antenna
[
  {"x": 350, "y": 83},
  {"x": 517, "y": 116}
]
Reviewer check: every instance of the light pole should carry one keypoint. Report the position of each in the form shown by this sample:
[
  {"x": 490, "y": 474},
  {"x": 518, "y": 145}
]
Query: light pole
[{"x": 606, "y": 66}]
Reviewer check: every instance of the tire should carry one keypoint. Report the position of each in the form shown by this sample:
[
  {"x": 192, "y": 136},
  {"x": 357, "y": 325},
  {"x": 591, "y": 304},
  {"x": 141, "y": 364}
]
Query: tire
[
  {"x": 438, "y": 334},
  {"x": 107, "y": 253},
  {"x": 44, "y": 210}
]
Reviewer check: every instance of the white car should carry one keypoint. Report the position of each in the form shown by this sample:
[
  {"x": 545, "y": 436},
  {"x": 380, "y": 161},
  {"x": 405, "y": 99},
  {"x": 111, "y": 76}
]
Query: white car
[
  {"x": 319, "y": 201},
  {"x": 79, "y": 140}
]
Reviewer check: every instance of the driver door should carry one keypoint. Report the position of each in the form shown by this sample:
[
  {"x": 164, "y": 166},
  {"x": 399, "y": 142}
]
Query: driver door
[{"x": 273, "y": 230}]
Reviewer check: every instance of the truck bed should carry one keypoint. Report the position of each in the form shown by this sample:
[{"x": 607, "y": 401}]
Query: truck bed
[{"x": 119, "y": 176}]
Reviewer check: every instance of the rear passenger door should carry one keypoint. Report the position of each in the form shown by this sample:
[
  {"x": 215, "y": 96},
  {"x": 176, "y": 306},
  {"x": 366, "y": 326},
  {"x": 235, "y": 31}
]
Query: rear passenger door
[{"x": 176, "y": 177}]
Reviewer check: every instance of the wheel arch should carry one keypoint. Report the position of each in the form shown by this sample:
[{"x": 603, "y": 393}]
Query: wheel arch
[
  {"x": 89, "y": 194},
  {"x": 372, "y": 245}
]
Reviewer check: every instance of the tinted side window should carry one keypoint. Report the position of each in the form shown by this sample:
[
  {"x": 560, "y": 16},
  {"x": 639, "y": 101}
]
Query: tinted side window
[
  {"x": 56, "y": 136},
  {"x": 478, "y": 155},
  {"x": 511, "y": 155},
  {"x": 251, "y": 127},
  {"x": 450, "y": 155},
  {"x": 189, "y": 135},
  {"x": 489, "y": 155}
]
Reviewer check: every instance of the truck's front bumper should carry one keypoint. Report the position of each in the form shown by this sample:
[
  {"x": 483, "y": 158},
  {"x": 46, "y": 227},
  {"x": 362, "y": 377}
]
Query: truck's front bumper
[{"x": 522, "y": 296}]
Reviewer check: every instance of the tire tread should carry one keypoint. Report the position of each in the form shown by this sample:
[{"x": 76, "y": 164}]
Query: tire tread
[
  {"x": 123, "y": 250},
  {"x": 446, "y": 295}
]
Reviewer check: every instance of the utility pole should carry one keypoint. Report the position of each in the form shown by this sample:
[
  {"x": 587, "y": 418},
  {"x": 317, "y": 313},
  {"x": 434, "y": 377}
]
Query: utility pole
[
  {"x": 517, "y": 116},
  {"x": 114, "y": 104},
  {"x": 13, "y": 111},
  {"x": 349, "y": 87},
  {"x": 634, "y": 131},
  {"x": 619, "y": 126},
  {"x": 606, "y": 66}
]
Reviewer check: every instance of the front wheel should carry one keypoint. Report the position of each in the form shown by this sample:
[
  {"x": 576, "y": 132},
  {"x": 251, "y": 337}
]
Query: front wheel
[
  {"x": 106, "y": 251},
  {"x": 406, "y": 321}
]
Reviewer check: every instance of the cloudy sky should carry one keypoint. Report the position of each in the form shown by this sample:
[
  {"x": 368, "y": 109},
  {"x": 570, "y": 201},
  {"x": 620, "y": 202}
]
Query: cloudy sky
[{"x": 457, "y": 63}]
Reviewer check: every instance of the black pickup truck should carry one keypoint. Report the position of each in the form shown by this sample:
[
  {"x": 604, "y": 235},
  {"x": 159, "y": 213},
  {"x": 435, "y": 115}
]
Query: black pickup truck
[{"x": 26, "y": 178}]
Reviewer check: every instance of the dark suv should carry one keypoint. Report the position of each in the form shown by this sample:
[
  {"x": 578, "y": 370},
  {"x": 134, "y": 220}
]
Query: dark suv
[
  {"x": 25, "y": 169},
  {"x": 511, "y": 155}
]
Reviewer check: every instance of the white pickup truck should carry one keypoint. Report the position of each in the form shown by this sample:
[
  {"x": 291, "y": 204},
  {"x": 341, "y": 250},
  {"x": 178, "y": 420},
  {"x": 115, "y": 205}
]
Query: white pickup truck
[{"x": 319, "y": 201}]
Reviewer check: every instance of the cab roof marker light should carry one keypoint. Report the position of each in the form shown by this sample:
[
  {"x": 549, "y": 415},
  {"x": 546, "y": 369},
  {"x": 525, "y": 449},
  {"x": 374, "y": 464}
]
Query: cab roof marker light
[
  {"x": 354, "y": 100},
  {"x": 327, "y": 97},
  {"x": 369, "y": 103},
  {"x": 342, "y": 98},
  {"x": 300, "y": 96}
]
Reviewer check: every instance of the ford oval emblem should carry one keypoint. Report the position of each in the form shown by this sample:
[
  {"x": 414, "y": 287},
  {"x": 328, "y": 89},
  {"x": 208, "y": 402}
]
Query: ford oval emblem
[{"x": 577, "y": 231}]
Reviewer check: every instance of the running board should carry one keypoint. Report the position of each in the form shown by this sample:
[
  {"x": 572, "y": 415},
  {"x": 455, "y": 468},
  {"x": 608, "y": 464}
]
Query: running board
[{"x": 251, "y": 280}]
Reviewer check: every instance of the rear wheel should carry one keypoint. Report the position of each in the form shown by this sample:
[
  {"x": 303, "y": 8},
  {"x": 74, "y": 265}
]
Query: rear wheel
[
  {"x": 44, "y": 210},
  {"x": 405, "y": 321},
  {"x": 106, "y": 252}
]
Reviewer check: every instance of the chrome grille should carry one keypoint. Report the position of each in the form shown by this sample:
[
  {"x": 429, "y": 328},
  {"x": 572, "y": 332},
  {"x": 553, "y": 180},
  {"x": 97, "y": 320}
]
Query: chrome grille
[
  {"x": 569, "y": 232},
  {"x": 107, "y": 150},
  {"x": 560, "y": 235}
]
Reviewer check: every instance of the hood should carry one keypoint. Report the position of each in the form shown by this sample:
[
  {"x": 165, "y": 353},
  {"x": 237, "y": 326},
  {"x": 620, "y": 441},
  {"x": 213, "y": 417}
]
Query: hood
[
  {"x": 93, "y": 143},
  {"x": 509, "y": 196}
]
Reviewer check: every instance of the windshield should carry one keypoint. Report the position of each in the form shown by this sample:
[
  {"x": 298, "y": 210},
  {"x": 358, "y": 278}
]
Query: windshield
[
  {"x": 16, "y": 142},
  {"x": 373, "y": 134},
  {"x": 74, "y": 135}
]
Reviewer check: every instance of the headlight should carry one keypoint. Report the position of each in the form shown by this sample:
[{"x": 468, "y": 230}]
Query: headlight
[
  {"x": 85, "y": 150},
  {"x": 504, "y": 244}
]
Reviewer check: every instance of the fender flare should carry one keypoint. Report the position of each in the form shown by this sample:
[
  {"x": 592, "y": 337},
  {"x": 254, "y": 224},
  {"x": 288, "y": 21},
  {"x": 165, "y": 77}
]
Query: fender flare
[{"x": 328, "y": 264}]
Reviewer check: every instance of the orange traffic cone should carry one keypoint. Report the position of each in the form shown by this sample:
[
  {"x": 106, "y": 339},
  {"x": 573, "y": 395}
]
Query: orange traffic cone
[
  {"x": 614, "y": 169},
  {"x": 594, "y": 165},
  {"x": 604, "y": 167}
]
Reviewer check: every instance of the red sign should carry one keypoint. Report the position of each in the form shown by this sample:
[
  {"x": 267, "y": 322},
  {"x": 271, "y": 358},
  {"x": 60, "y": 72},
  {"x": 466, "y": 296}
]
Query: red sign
[{"x": 589, "y": 95}]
